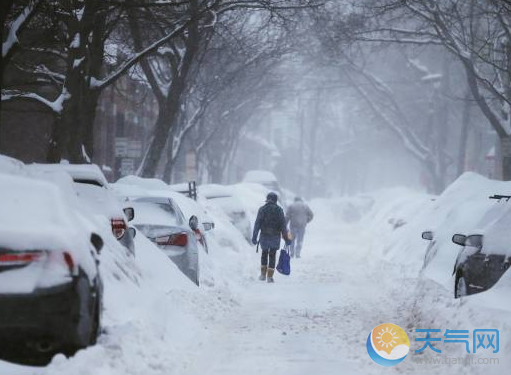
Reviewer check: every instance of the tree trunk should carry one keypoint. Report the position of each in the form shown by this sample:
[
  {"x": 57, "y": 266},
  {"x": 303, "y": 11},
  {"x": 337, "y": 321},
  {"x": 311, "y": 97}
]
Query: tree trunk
[
  {"x": 168, "y": 117},
  {"x": 5, "y": 7},
  {"x": 57, "y": 141},
  {"x": 76, "y": 122},
  {"x": 312, "y": 154},
  {"x": 505, "y": 152},
  {"x": 465, "y": 125}
]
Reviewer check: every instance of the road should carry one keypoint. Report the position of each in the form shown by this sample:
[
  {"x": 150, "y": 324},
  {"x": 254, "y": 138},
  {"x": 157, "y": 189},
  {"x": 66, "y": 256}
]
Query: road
[{"x": 315, "y": 321}]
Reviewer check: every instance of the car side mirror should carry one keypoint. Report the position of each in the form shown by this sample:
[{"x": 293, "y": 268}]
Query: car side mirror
[
  {"x": 132, "y": 231},
  {"x": 459, "y": 239},
  {"x": 193, "y": 222},
  {"x": 428, "y": 235},
  {"x": 97, "y": 242},
  {"x": 130, "y": 213},
  {"x": 208, "y": 226}
]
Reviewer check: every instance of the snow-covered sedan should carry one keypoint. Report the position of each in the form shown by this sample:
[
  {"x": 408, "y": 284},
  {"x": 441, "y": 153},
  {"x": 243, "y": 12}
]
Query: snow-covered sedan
[
  {"x": 50, "y": 286},
  {"x": 160, "y": 219},
  {"x": 97, "y": 198},
  {"x": 223, "y": 197}
]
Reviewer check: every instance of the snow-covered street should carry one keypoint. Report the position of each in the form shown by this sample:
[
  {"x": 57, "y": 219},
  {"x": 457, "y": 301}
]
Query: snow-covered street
[
  {"x": 317, "y": 320},
  {"x": 305, "y": 323}
]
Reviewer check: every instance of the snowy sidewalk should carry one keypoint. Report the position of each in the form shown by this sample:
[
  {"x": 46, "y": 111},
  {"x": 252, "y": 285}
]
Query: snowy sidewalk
[{"x": 311, "y": 322}]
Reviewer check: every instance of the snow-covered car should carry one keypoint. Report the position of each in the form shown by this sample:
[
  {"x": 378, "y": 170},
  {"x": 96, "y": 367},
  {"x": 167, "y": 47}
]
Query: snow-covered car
[
  {"x": 50, "y": 286},
  {"x": 223, "y": 197},
  {"x": 160, "y": 219},
  {"x": 484, "y": 256},
  {"x": 268, "y": 180},
  {"x": 134, "y": 186},
  {"x": 97, "y": 198}
]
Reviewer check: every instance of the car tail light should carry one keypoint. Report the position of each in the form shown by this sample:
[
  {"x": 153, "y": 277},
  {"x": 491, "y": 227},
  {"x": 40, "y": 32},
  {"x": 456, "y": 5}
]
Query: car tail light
[
  {"x": 22, "y": 258},
  {"x": 69, "y": 261},
  {"x": 118, "y": 228},
  {"x": 178, "y": 239}
]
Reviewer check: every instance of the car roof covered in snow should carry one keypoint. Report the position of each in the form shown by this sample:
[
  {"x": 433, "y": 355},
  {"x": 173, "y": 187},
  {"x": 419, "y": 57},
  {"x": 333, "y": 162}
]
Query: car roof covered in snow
[
  {"x": 89, "y": 172},
  {"x": 10, "y": 165},
  {"x": 144, "y": 183},
  {"x": 259, "y": 176},
  {"x": 215, "y": 191}
]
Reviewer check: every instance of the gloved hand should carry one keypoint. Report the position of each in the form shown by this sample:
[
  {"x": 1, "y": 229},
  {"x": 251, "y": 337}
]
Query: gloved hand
[
  {"x": 254, "y": 241},
  {"x": 288, "y": 242}
]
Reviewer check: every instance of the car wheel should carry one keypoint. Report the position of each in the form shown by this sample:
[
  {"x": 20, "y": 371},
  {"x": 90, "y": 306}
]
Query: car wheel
[{"x": 461, "y": 287}]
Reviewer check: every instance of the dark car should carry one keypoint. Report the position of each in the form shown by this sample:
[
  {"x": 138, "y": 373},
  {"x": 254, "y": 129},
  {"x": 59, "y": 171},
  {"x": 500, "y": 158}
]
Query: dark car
[
  {"x": 476, "y": 270},
  {"x": 50, "y": 285},
  {"x": 161, "y": 221}
]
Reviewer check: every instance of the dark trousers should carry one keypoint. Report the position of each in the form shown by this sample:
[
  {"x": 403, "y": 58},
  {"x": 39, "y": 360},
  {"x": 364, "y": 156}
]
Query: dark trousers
[{"x": 268, "y": 257}]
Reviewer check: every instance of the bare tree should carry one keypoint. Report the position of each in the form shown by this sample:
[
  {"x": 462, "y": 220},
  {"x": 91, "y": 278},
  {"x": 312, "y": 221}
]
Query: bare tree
[{"x": 477, "y": 33}]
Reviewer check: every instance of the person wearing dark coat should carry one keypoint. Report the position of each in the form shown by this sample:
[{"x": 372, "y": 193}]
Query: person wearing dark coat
[{"x": 270, "y": 226}]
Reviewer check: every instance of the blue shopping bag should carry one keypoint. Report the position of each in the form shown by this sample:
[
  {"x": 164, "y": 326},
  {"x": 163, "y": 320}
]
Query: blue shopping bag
[{"x": 284, "y": 264}]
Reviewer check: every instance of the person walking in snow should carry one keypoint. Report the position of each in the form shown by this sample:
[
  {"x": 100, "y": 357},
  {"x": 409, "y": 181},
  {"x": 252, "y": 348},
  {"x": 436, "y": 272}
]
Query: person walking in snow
[
  {"x": 271, "y": 223},
  {"x": 298, "y": 215}
]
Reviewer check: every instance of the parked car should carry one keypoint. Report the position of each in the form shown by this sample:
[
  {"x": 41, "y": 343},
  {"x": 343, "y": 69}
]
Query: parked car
[
  {"x": 223, "y": 197},
  {"x": 50, "y": 285},
  {"x": 160, "y": 219},
  {"x": 268, "y": 180},
  {"x": 93, "y": 191},
  {"x": 476, "y": 270},
  {"x": 134, "y": 186}
]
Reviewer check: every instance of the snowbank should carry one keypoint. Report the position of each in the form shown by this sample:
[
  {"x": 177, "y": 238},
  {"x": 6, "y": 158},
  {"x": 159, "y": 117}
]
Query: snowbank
[{"x": 398, "y": 217}]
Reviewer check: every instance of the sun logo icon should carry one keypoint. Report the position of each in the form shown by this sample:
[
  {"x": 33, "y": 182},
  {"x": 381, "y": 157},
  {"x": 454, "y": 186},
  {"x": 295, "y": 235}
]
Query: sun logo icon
[
  {"x": 387, "y": 337},
  {"x": 388, "y": 344}
]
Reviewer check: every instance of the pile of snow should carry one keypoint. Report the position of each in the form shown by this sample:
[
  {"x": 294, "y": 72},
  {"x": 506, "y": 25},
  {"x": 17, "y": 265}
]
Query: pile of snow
[
  {"x": 252, "y": 195},
  {"x": 397, "y": 219},
  {"x": 86, "y": 172},
  {"x": 259, "y": 176}
]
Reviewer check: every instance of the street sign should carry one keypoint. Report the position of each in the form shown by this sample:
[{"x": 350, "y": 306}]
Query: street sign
[
  {"x": 121, "y": 146},
  {"x": 127, "y": 166},
  {"x": 134, "y": 149}
]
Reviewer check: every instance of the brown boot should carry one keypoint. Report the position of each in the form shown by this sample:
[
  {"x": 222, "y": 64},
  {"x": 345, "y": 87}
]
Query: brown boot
[
  {"x": 269, "y": 277},
  {"x": 263, "y": 273}
]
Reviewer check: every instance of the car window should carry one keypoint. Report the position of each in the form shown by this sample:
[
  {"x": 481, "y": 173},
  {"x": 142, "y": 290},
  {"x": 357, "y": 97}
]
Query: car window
[
  {"x": 156, "y": 214},
  {"x": 179, "y": 214}
]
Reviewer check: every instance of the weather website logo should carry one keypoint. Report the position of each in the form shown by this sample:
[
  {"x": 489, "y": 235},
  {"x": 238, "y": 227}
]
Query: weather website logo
[{"x": 388, "y": 344}]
